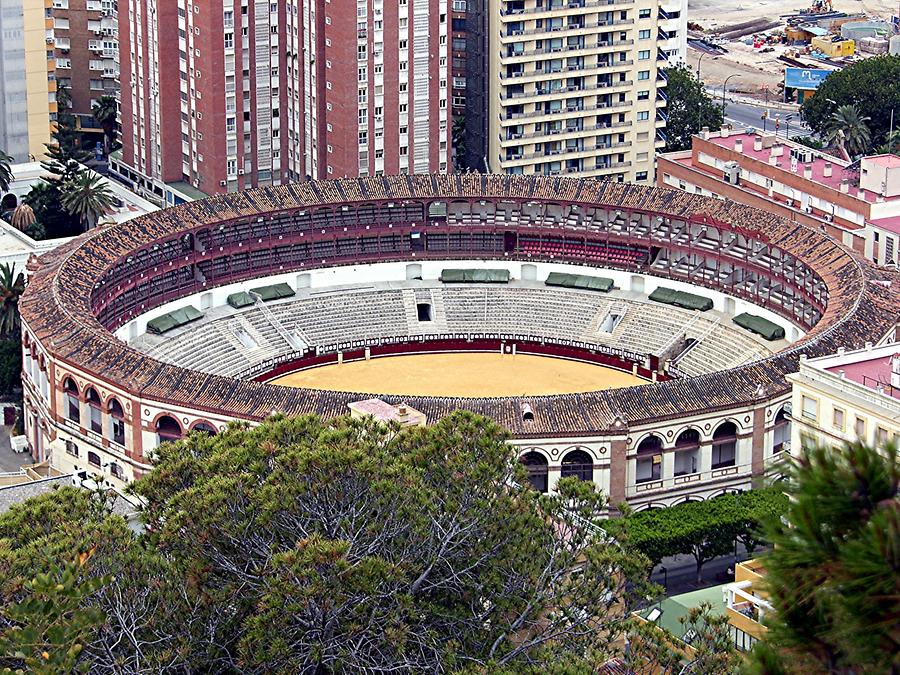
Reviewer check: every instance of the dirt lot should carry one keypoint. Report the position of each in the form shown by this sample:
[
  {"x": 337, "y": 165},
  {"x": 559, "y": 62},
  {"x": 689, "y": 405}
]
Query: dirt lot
[{"x": 758, "y": 71}]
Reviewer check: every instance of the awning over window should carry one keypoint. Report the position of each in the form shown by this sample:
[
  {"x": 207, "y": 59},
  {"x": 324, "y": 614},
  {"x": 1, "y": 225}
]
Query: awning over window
[
  {"x": 756, "y": 324},
  {"x": 584, "y": 281},
  {"x": 174, "y": 319},
  {"x": 240, "y": 299},
  {"x": 681, "y": 299},
  {"x": 274, "y": 292},
  {"x": 475, "y": 276}
]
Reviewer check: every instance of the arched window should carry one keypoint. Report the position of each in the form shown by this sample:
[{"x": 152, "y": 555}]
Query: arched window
[
  {"x": 116, "y": 421},
  {"x": 724, "y": 448},
  {"x": 95, "y": 408},
  {"x": 687, "y": 452},
  {"x": 649, "y": 459},
  {"x": 116, "y": 470},
  {"x": 578, "y": 464},
  {"x": 73, "y": 403},
  {"x": 782, "y": 432},
  {"x": 168, "y": 429},
  {"x": 204, "y": 428},
  {"x": 536, "y": 464},
  {"x": 93, "y": 458}
]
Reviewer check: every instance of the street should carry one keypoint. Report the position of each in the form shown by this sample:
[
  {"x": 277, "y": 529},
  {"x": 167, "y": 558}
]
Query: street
[
  {"x": 747, "y": 115},
  {"x": 680, "y": 573}
]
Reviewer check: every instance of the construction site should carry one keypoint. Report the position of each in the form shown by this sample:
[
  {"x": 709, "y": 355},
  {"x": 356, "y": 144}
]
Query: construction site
[{"x": 754, "y": 44}]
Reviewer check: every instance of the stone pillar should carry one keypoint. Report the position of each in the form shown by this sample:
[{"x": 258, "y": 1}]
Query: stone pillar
[
  {"x": 758, "y": 438},
  {"x": 618, "y": 470},
  {"x": 668, "y": 465}
]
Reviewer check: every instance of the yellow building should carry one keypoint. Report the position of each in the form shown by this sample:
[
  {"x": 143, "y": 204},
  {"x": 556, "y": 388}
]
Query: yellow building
[
  {"x": 833, "y": 47},
  {"x": 27, "y": 77},
  {"x": 847, "y": 396},
  {"x": 747, "y": 604}
]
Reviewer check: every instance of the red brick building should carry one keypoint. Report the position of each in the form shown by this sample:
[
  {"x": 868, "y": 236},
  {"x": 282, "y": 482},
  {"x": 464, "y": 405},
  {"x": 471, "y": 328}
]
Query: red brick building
[
  {"x": 857, "y": 203},
  {"x": 222, "y": 96}
]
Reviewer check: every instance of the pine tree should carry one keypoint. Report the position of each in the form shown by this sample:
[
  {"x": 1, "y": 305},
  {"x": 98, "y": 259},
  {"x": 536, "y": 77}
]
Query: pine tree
[{"x": 834, "y": 574}]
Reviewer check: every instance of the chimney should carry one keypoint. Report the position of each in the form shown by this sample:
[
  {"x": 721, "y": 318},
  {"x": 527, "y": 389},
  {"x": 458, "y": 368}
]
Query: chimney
[
  {"x": 826, "y": 170},
  {"x": 739, "y": 146},
  {"x": 895, "y": 370},
  {"x": 724, "y": 131},
  {"x": 777, "y": 150},
  {"x": 757, "y": 143},
  {"x": 845, "y": 186},
  {"x": 773, "y": 161},
  {"x": 401, "y": 410},
  {"x": 807, "y": 172},
  {"x": 704, "y": 133}
]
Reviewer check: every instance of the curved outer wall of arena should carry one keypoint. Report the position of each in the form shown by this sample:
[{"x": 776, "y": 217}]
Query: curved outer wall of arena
[{"x": 104, "y": 406}]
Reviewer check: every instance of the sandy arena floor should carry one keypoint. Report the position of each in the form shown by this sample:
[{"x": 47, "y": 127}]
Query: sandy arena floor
[{"x": 469, "y": 375}]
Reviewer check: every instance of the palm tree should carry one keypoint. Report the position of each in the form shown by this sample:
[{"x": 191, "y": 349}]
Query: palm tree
[
  {"x": 847, "y": 130},
  {"x": 87, "y": 197},
  {"x": 6, "y": 176},
  {"x": 23, "y": 217},
  {"x": 891, "y": 145},
  {"x": 106, "y": 113},
  {"x": 11, "y": 287}
]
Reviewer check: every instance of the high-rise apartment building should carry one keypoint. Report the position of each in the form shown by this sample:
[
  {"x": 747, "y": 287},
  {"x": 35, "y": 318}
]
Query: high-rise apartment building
[
  {"x": 221, "y": 95},
  {"x": 85, "y": 43},
  {"x": 27, "y": 77},
  {"x": 578, "y": 85}
]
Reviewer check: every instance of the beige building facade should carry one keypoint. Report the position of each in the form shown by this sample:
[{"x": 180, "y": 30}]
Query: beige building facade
[{"x": 578, "y": 86}]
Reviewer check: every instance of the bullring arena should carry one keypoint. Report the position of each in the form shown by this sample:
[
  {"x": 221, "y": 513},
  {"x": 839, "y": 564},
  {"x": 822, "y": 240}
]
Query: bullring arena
[{"x": 637, "y": 337}]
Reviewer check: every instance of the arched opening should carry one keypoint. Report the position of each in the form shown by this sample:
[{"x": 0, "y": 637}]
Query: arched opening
[
  {"x": 116, "y": 421},
  {"x": 93, "y": 458},
  {"x": 9, "y": 202},
  {"x": 782, "y": 432},
  {"x": 73, "y": 403},
  {"x": 204, "y": 428},
  {"x": 687, "y": 452},
  {"x": 116, "y": 470},
  {"x": 578, "y": 464},
  {"x": 95, "y": 410},
  {"x": 536, "y": 465},
  {"x": 724, "y": 448},
  {"x": 168, "y": 429},
  {"x": 649, "y": 459}
]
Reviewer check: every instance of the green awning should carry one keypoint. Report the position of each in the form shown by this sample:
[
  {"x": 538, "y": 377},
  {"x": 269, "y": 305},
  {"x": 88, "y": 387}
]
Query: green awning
[
  {"x": 475, "y": 276},
  {"x": 602, "y": 284},
  {"x": 756, "y": 324},
  {"x": 173, "y": 319},
  {"x": 274, "y": 292},
  {"x": 670, "y": 296},
  {"x": 240, "y": 299}
]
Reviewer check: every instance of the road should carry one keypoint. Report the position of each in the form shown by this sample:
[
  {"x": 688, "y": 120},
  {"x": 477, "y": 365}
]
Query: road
[
  {"x": 747, "y": 115},
  {"x": 681, "y": 572}
]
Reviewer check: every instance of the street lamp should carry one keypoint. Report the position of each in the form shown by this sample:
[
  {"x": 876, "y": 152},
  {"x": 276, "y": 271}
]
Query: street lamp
[
  {"x": 665, "y": 572},
  {"x": 724, "y": 89},
  {"x": 699, "y": 61}
]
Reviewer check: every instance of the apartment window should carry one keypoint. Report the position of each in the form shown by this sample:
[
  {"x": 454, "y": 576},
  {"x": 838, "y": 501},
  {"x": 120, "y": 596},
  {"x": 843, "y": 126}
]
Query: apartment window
[
  {"x": 71, "y": 449},
  {"x": 881, "y": 437},
  {"x": 837, "y": 419},
  {"x": 93, "y": 459},
  {"x": 724, "y": 448},
  {"x": 860, "y": 428},
  {"x": 810, "y": 408},
  {"x": 640, "y": 175},
  {"x": 643, "y": 116},
  {"x": 644, "y": 14},
  {"x": 643, "y": 55},
  {"x": 644, "y": 34},
  {"x": 643, "y": 95},
  {"x": 644, "y": 75}
]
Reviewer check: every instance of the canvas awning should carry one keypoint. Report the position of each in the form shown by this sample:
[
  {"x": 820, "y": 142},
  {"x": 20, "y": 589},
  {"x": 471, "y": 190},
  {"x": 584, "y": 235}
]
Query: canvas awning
[
  {"x": 475, "y": 276},
  {"x": 273, "y": 292},
  {"x": 681, "y": 299},
  {"x": 602, "y": 284},
  {"x": 756, "y": 324},
  {"x": 240, "y": 299},
  {"x": 173, "y": 319}
]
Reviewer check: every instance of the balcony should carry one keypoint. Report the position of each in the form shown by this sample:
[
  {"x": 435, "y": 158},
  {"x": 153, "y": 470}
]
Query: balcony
[
  {"x": 545, "y": 115},
  {"x": 564, "y": 50},
  {"x": 514, "y": 35},
  {"x": 573, "y": 6}
]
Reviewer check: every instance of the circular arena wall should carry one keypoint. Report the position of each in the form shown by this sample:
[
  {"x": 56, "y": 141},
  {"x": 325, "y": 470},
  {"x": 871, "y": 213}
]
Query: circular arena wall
[{"x": 86, "y": 388}]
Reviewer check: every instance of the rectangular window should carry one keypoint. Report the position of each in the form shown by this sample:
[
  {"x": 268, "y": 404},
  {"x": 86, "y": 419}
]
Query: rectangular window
[
  {"x": 643, "y": 55},
  {"x": 644, "y": 34},
  {"x": 644, "y": 75},
  {"x": 643, "y": 116},
  {"x": 837, "y": 419},
  {"x": 860, "y": 428},
  {"x": 810, "y": 408}
]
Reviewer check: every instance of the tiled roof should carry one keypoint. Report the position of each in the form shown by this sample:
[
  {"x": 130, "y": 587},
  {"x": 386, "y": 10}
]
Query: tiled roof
[{"x": 56, "y": 305}]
